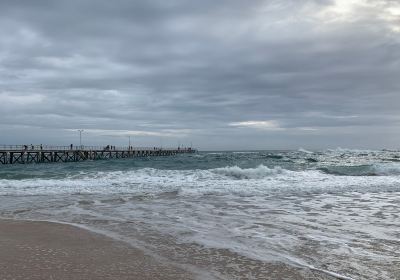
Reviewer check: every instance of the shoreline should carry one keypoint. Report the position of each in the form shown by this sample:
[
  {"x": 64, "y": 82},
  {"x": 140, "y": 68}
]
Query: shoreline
[
  {"x": 51, "y": 250},
  {"x": 40, "y": 249}
]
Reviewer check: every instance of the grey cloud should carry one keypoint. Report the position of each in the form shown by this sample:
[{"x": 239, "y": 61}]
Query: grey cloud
[{"x": 199, "y": 66}]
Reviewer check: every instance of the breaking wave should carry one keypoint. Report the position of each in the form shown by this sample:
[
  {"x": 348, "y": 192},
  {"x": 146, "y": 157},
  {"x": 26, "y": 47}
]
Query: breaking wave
[
  {"x": 250, "y": 173},
  {"x": 301, "y": 150},
  {"x": 226, "y": 180},
  {"x": 379, "y": 169}
]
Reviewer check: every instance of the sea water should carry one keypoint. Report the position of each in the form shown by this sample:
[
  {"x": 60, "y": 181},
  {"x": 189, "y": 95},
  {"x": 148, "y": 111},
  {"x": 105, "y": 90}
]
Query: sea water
[{"x": 224, "y": 215}]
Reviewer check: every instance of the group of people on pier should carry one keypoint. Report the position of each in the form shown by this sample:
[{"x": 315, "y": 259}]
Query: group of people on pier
[{"x": 32, "y": 147}]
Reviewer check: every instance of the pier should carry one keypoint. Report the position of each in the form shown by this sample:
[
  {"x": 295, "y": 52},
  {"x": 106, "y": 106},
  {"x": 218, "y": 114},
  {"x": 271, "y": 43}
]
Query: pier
[{"x": 25, "y": 154}]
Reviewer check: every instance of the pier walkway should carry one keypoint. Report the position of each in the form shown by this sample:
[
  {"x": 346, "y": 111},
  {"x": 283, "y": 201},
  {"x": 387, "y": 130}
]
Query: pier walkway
[{"x": 23, "y": 154}]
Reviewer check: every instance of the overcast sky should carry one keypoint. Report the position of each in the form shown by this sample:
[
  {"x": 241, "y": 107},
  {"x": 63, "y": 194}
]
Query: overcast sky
[{"x": 223, "y": 74}]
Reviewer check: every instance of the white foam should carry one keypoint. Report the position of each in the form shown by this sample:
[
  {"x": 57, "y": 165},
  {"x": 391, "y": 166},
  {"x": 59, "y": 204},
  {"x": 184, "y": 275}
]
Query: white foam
[
  {"x": 250, "y": 173},
  {"x": 351, "y": 151},
  {"x": 227, "y": 180},
  {"x": 304, "y": 151}
]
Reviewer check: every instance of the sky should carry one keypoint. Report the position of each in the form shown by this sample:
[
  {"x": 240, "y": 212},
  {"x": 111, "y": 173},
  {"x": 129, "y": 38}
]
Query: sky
[{"x": 215, "y": 74}]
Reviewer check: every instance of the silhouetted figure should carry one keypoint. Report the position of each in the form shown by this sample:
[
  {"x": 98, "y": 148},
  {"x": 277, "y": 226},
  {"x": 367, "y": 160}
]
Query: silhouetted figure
[
  {"x": 41, "y": 147},
  {"x": 71, "y": 146}
]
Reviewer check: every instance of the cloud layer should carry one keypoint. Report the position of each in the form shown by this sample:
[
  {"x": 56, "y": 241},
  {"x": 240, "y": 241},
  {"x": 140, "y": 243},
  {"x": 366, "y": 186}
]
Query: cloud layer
[{"x": 221, "y": 74}]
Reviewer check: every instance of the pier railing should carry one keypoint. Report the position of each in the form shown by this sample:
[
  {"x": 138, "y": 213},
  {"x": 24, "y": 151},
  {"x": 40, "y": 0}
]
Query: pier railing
[{"x": 82, "y": 148}]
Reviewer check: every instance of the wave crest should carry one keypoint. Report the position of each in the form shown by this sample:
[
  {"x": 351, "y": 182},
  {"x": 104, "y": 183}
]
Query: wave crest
[
  {"x": 301, "y": 150},
  {"x": 225, "y": 180},
  {"x": 386, "y": 169},
  {"x": 379, "y": 169},
  {"x": 249, "y": 173}
]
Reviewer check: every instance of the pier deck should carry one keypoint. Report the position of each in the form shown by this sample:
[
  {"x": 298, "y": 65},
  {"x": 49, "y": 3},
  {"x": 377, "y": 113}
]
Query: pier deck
[{"x": 48, "y": 154}]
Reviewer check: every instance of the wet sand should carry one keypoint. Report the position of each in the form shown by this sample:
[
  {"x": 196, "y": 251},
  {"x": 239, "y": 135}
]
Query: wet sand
[{"x": 43, "y": 250}]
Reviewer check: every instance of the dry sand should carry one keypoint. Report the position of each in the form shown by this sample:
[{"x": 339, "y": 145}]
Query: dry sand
[{"x": 43, "y": 250}]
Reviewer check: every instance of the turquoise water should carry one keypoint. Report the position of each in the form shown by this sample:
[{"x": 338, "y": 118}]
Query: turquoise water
[{"x": 336, "y": 211}]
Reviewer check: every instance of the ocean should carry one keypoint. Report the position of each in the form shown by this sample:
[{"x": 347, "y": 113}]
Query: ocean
[{"x": 226, "y": 215}]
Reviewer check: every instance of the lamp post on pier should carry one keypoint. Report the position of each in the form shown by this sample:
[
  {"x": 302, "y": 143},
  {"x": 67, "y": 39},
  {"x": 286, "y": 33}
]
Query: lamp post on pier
[{"x": 80, "y": 137}]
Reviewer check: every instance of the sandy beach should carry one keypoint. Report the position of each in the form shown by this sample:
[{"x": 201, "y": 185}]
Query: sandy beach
[
  {"x": 43, "y": 250},
  {"x": 47, "y": 250}
]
